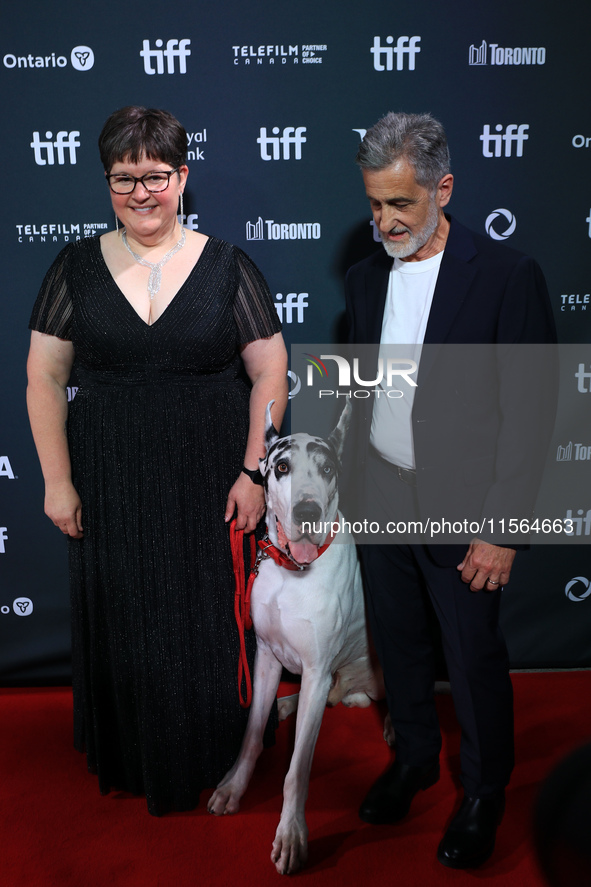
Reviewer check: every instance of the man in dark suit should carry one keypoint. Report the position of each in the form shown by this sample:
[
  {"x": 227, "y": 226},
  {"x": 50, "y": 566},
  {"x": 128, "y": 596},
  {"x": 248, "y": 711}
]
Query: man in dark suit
[{"x": 476, "y": 443}]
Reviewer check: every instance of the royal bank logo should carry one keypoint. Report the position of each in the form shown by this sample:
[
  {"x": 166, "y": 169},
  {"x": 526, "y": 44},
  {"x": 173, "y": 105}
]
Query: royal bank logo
[
  {"x": 271, "y": 230},
  {"x": 177, "y": 51},
  {"x": 578, "y": 589},
  {"x": 281, "y": 145},
  {"x": 194, "y": 139},
  {"x": 81, "y": 59},
  {"x": 405, "y": 52},
  {"x": 500, "y": 219},
  {"x": 504, "y": 55},
  {"x": 290, "y": 308},
  {"x": 514, "y": 134},
  {"x": 279, "y": 54},
  {"x": 63, "y": 148},
  {"x": 573, "y": 452}
]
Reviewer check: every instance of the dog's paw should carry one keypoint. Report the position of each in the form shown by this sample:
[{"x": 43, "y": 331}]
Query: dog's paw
[
  {"x": 290, "y": 847},
  {"x": 224, "y": 800}
]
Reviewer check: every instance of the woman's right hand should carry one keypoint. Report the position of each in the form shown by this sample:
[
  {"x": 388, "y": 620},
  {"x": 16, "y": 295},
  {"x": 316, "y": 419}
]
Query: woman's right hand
[{"x": 64, "y": 508}]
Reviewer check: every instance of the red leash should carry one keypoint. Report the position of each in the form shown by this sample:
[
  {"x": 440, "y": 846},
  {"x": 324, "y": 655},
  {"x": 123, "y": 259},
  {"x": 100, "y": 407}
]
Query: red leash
[{"x": 242, "y": 604}]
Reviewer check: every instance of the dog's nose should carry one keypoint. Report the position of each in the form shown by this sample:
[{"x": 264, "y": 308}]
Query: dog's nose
[{"x": 308, "y": 510}]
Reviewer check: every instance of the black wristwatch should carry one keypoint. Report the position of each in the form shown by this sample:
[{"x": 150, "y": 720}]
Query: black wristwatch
[{"x": 254, "y": 474}]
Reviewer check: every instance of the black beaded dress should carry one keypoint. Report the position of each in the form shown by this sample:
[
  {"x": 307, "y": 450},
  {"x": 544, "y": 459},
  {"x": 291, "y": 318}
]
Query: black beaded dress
[{"x": 157, "y": 434}]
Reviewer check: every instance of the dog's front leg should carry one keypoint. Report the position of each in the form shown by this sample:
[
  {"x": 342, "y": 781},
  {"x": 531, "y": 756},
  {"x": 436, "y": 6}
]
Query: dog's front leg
[
  {"x": 267, "y": 674},
  {"x": 290, "y": 847}
]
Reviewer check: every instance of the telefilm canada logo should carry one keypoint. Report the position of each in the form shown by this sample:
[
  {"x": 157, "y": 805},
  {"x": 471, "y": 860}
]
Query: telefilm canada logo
[
  {"x": 81, "y": 59},
  {"x": 269, "y": 229},
  {"x": 493, "y": 54},
  {"x": 346, "y": 379},
  {"x": 574, "y": 301},
  {"x": 58, "y": 232},
  {"x": 266, "y": 54}
]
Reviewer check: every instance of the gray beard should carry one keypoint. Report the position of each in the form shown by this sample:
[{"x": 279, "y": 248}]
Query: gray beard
[{"x": 415, "y": 241}]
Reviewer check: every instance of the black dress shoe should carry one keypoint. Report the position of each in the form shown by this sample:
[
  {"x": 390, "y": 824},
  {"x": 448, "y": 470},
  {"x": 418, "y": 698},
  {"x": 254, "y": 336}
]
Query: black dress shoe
[
  {"x": 470, "y": 838},
  {"x": 389, "y": 798}
]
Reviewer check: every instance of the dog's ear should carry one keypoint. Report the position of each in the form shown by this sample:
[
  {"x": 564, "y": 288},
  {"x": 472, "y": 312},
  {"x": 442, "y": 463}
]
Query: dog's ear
[
  {"x": 271, "y": 433},
  {"x": 337, "y": 437}
]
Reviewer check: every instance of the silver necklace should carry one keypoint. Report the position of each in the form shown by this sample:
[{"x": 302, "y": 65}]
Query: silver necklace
[{"x": 155, "y": 277}]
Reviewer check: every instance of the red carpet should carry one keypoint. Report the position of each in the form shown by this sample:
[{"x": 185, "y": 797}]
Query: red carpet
[{"x": 55, "y": 828}]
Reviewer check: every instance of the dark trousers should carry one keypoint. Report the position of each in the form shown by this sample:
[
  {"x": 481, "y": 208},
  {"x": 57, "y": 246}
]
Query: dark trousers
[{"x": 399, "y": 580}]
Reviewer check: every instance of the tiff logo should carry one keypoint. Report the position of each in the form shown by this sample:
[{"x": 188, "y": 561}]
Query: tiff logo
[
  {"x": 175, "y": 49},
  {"x": 63, "y": 140},
  {"x": 281, "y": 145},
  {"x": 3, "y": 538},
  {"x": 513, "y": 133},
  {"x": 299, "y": 301},
  {"x": 588, "y": 220},
  {"x": 581, "y": 377},
  {"x": 405, "y": 46}
]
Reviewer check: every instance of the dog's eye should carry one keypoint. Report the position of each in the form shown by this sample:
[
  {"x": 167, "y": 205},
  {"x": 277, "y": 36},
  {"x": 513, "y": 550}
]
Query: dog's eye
[
  {"x": 328, "y": 470},
  {"x": 282, "y": 467}
]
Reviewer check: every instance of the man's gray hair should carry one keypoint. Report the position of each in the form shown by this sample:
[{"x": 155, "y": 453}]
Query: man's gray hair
[{"x": 417, "y": 138}]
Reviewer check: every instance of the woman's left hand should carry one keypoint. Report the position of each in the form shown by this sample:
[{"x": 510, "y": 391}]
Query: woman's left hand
[{"x": 247, "y": 499}]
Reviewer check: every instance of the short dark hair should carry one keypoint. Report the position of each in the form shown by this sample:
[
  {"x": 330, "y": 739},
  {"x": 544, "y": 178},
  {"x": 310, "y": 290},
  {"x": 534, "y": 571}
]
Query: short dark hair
[
  {"x": 417, "y": 138},
  {"x": 134, "y": 132}
]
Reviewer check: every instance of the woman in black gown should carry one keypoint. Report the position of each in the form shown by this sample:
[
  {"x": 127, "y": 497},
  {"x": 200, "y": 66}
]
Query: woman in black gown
[{"x": 177, "y": 351}]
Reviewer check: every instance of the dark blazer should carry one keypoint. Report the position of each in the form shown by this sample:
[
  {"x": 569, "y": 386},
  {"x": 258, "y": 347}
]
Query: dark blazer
[{"x": 482, "y": 416}]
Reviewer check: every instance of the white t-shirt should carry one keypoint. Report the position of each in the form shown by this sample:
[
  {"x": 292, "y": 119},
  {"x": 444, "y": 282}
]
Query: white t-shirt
[{"x": 410, "y": 293}]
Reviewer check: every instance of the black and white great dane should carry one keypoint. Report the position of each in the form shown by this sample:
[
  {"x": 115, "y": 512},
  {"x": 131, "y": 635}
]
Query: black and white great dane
[{"x": 309, "y": 619}]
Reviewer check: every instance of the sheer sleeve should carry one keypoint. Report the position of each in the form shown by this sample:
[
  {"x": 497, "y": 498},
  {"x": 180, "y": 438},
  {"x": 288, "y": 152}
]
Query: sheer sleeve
[
  {"x": 52, "y": 312},
  {"x": 254, "y": 311}
]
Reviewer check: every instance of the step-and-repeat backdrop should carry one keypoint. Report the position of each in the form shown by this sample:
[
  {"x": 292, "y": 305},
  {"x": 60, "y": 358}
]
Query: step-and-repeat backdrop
[{"x": 274, "y": 98}]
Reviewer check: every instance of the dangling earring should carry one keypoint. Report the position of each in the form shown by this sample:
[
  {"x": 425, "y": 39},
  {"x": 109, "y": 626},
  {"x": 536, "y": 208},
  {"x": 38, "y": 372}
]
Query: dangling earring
[
  {"x": 182, "y": 211},
  {"x": 116, "y": 223}
]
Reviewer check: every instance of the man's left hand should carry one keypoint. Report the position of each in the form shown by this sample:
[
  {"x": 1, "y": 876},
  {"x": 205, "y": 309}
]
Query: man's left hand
[{"x": 486, "y": 566}]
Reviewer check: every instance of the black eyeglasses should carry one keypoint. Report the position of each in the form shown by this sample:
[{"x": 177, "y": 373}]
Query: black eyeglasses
[{"x": 123, "y": 183}]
